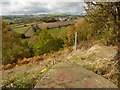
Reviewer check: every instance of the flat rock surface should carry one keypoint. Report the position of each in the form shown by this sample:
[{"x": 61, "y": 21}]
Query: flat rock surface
[{"x": 72, "y": 75}]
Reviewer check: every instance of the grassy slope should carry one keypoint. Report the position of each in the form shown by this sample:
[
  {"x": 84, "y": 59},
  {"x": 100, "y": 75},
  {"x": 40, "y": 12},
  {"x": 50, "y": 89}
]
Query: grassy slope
[{"x": 27, "y": 75}]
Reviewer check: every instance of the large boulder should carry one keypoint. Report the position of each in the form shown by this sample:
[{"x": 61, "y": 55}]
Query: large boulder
[{"x": 72, "y": 75}]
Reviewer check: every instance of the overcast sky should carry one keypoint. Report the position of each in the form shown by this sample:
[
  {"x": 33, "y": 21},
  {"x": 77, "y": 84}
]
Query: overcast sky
[{"x": 36, "y": 7}]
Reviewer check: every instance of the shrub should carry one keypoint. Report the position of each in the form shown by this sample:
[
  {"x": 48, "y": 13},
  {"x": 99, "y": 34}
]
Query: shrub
[
  {"x": 68, "y": 35},
  {"x": 22, "y": 36},
  {"x": 85, "y": 30},
  {"x": 16, "y": 52},
  {"x": 12, "y": 48},
  {"x": 25, "y": 25},
  {"x": 34, "y": 28},
  {"x": 47, "y": 43},
  {"x": 38, "y": 32}
]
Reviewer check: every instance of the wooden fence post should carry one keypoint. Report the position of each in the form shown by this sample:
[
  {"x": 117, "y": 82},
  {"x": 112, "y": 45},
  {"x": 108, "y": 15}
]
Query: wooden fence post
[{"x": 75, "y": 41}]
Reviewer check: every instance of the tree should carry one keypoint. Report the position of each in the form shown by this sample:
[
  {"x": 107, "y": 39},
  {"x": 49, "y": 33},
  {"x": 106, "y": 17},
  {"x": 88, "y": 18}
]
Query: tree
[
  {"x": 34, "y": 28},
  {"x": 68, "y": 35},
  {"x": 12, "y": 47},
  {"x": 37, "y": 27},
  {"x": 106, "y": 16},
  {"x": 47, "y": 43},
  {"x": 85, "y": 30},
  {"x": 25, "y": 25}
]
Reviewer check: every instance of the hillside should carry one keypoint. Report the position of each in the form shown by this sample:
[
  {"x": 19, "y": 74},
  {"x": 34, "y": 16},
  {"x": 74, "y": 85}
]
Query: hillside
[
  {"x": 60, "y": 45},
  {"x": 98, "y": 59}
]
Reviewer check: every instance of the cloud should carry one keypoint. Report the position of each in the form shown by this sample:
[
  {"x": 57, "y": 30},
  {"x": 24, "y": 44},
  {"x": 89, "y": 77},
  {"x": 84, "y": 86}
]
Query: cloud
[
  {"x": 26, "y": 8},
  {"x": 42, "y": 1}
]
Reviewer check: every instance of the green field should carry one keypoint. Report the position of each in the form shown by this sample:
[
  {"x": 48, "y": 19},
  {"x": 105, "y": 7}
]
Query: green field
[
  {"x": 57, "y": 31},
  {"x": 21, "y": 30},
  {"x": 22, "y": 25},
  {"x": 7, "y": 20}
]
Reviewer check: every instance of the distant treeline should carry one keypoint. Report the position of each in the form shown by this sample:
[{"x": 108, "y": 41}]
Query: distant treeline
[{"x": 32, "y": 18}]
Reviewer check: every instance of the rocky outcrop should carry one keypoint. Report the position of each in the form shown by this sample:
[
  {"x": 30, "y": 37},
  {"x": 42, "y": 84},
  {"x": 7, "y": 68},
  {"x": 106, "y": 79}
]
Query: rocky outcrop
[{"x": 72, "y": 75}]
